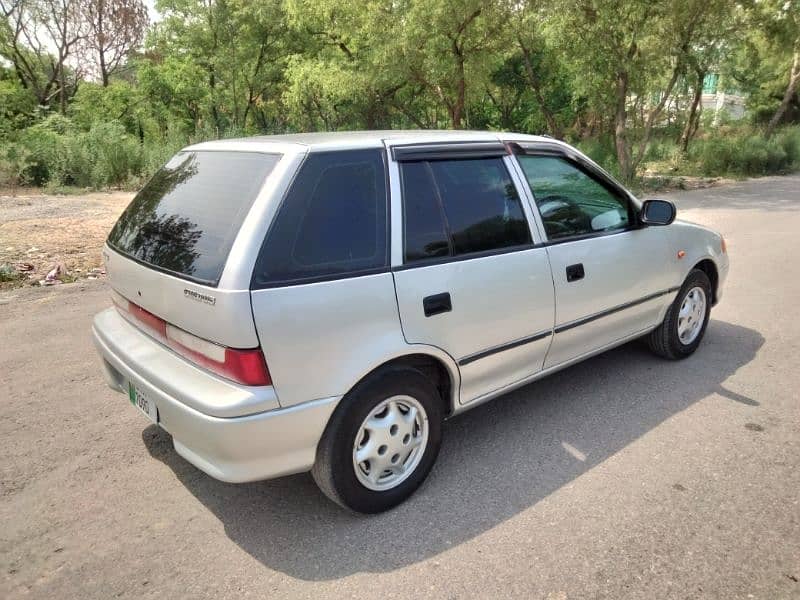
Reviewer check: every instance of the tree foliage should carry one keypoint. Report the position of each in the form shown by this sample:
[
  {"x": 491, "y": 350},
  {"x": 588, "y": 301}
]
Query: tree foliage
[{"x": 613, "y": 75}]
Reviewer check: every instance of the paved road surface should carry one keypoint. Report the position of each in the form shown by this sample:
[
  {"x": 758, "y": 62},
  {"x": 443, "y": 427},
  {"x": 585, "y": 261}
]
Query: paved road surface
[{"x": 625, "y": 476}]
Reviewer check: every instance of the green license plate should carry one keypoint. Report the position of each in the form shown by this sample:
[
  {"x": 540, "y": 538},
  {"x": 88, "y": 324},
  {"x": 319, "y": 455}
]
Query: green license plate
[{"x": 140, "y": 400}]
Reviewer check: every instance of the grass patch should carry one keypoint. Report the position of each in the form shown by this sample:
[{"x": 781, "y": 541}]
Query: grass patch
[{"x": 9, "y": 274}]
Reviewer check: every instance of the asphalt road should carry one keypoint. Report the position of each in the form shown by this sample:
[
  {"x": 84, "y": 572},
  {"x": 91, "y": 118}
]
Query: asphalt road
[{"x": 623, "y": 477}]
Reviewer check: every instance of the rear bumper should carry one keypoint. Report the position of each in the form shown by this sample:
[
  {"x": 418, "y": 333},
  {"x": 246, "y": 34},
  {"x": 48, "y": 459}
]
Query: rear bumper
[{"x": 250, "y": 447}]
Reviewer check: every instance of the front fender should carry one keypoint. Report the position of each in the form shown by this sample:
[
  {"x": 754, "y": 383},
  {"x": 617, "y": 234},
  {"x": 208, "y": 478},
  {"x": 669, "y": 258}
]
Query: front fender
[{"x": 694, "y": 244}]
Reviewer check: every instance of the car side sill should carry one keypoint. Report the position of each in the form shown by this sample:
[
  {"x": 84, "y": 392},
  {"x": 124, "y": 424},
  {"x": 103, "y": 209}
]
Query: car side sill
[
  {"x": 538, "y": 375},
  {"x": 503, "y": 347},
  {"x": 611, "y": 311}
]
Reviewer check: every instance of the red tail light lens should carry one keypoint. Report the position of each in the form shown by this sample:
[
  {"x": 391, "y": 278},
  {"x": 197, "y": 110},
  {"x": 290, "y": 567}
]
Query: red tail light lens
[
  {"x": 243, "y": 366},
  {"x": 247, "y": 367},
  {"x": 148, "y": 319}
]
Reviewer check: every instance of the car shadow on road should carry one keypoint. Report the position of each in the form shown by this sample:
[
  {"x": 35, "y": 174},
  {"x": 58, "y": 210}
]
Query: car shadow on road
[{"x": 496, "y": 461}]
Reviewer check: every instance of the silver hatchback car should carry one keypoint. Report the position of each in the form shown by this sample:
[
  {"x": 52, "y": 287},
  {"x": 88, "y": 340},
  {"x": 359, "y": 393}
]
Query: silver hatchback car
[{"x": 323, "y": 301}]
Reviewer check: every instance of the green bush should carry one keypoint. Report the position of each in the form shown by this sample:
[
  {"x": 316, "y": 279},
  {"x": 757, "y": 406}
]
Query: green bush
[
  {"x": 116, "y": 156},
  {"x": 9, "y": 273},
  {"x": 789, "y": 140},
  {"x": 17, "y": 106},
  {"x": 601, "y": 151},
  {"x": 747, "y": 154},
  {"x": 56, "y": 154},
  {"x": 44, "y": 145},
  {"x": 15, "y": 160}
]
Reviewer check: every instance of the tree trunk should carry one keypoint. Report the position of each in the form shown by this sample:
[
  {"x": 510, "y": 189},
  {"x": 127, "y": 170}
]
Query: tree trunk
[
  {"x": 101, "y": 39},
  {"x": 654, "y": 113},
  {"x": 457, "y": 111},
  {"x": 552, "y": 125},
  {"x": 251, "y": 96},
  {"x": 212, "y": 84},
  {"x": 794, "y": 80},
  {"x": 621, "y": 130},
  {"x": 410, "y": 115},
  {"x": 62, "y": 95},
  {"x": 103, "y": 68},
  {"x": 690, "y": 128}
]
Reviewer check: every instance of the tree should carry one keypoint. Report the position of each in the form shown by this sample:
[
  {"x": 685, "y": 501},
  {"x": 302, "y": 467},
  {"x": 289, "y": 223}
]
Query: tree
[
  {"x": 115, "y": 28},
  {"x": 22, "y": 44},
  {"x": 543, "y": 69},
  {"x": 782, "y": 23},
  {"x": 348, "y": 74},
  {"x": 230, "y": 56},
  {"x": 447, "y": 48},
  {"x": 791, "y": 90},
  {"x": 631, "y": 55},
  {"x": 714, "y": 27},
  {"x": 65, "y": 30}
]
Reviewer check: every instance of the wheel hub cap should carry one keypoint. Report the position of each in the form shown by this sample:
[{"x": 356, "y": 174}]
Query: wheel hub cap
[
  {"x": 692, "y": 315},
  {"x": 390, "y": 443}
]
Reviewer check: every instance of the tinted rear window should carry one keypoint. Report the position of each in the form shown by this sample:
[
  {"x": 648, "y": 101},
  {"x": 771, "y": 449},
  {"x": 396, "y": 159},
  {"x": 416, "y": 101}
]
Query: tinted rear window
[
  {"x": 332, "y": 221},
  {"x": 185, "y": 219}
]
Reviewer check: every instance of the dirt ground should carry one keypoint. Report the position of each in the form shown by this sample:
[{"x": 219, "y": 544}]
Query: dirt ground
[{"x": 45, "y": 230}]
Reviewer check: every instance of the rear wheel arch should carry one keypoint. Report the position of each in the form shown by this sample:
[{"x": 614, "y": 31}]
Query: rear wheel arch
[{"x": 433, "y": 367}]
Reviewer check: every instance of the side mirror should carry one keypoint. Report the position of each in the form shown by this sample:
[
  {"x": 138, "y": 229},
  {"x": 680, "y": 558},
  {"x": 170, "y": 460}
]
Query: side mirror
[{"x": 657, "y": 212}]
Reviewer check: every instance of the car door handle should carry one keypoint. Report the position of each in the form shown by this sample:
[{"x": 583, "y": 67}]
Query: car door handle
[
  {"x": 575, "y": 272},
  {"x": 437, "y": 304}
]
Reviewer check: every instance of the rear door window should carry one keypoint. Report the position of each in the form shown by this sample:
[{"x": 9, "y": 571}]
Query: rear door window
[
  {"x": 460, "y": 207},
  {"x": 331, "y": 223},
  {"x": 185, "y": 219}
]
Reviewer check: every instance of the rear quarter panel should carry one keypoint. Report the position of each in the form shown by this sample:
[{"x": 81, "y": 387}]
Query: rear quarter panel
[{"x": 320, "y": 339}]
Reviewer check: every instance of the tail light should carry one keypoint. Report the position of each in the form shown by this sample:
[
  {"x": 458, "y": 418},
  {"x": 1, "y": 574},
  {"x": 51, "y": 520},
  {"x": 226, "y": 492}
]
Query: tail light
[{"x": 247, "y": 366}]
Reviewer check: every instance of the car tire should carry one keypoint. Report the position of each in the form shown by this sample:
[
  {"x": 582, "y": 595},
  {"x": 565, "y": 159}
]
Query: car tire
[
  {"x": 679, "y": 334},
  {"x": 392, "y": 412}
]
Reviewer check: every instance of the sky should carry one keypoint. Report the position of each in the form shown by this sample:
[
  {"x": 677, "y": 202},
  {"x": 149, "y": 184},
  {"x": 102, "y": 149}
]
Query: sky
[{"x": 151, "y": 9}]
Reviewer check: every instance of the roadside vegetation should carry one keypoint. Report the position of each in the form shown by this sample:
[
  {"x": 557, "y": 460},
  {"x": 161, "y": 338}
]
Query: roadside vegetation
[{"x": 95, "y": 94}]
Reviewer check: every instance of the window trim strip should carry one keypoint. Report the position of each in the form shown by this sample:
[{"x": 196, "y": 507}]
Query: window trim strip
[
  {"x": 319, "y": 279},
  {"x": 443, "y": 260},
  {"x": 552, "y": 149},
  {"x": 448, "y": 151}
]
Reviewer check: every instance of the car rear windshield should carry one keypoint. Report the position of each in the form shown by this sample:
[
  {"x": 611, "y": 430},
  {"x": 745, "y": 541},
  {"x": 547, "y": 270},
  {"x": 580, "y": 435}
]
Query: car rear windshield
[{"x": 185, "y": 219}]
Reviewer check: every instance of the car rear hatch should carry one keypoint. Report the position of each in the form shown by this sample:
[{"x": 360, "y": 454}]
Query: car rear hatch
[{"x": 167, "y": 256}]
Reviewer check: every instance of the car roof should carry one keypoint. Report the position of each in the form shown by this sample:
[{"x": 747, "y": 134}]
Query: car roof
[{"x": 342, "y": 140}]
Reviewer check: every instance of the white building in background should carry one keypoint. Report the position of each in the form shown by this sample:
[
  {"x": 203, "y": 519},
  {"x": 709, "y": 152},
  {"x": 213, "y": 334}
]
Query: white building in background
[{"x": 718, "y": 101}]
